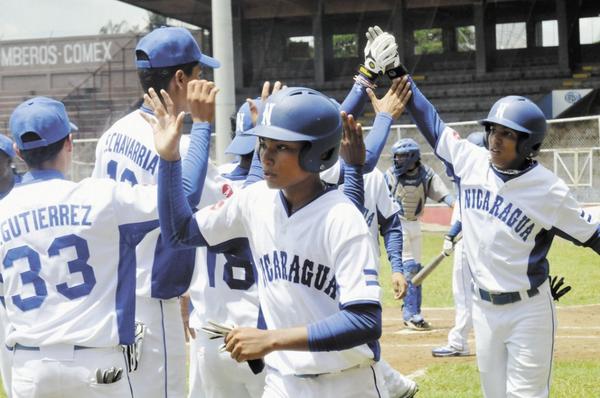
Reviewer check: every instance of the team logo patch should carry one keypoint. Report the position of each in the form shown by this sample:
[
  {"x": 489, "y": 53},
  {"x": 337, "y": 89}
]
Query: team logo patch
[{"x": 226, "y": 190}]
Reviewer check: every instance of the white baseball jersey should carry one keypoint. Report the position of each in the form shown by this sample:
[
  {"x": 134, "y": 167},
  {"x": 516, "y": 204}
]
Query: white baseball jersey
[
  {"x": 309, "y": 263},
  {"x": 507, "y": 226},
  {"x": 68, "y": 275},
  {"x": 378, "y": 199},
  {"x": 223, "y": 288},
  {"x": 125, "y": 152}
]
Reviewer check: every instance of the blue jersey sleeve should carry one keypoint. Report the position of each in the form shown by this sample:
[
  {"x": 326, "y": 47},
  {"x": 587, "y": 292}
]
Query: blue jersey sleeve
[
  {"x": 354, "y": 325},
  {"x": 425, "y": 115},
  {"x": 255, "y": 174},
  {"x": 391, "y": 230},
  {"x": 193, "y": 172},
  {"x": 354, "y": 185},
  {"x": 455, "y": 229}
]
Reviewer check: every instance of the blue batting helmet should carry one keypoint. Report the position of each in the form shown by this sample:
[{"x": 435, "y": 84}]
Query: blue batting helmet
[
  {"x": 243, "y": 144},
  {"x": 303, "y": 114},
  {"x": 522, "y": 115},
  {"x": 477, "y": 138},
  {"x": 411, "y": 154}
]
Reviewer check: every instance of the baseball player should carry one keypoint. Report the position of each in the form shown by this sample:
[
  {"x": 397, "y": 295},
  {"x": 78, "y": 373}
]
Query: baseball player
[
  {"x": 167, "y": 59},
  {"x": 458, "y": 337},
  {"x": 8, "y": 179},
  {"x": 411, "y": 183},
  {"x": 511, "y": 209},
  {"x": 317, "y": 282},
  {"x": 66, "y": 273}
]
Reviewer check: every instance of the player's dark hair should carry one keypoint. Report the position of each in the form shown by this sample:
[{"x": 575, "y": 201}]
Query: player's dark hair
[
  {"x": 37, "y": 156},
  {"x": 159, "y": 78}
]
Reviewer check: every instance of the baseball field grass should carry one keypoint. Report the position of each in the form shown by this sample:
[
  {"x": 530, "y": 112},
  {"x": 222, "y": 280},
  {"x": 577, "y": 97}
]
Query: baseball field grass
[{"x": 576, "y": 367}]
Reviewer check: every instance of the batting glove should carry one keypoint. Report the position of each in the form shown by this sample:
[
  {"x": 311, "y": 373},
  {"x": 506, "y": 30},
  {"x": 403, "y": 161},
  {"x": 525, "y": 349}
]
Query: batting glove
[
  {"x": 555, "y": 287},
  {"x": 448, "y": 246}
]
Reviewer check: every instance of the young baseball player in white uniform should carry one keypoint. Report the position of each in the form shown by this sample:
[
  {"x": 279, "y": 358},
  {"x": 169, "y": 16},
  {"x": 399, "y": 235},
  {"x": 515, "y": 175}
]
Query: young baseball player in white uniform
[
  {"x": 521, "y": 206},
  {"x": 169, "y": 59},
  {"x": 67, "y": 281},
  {"x": 318, "y": 294},
  {"x": 458, "y": 337},
  {"x": 411, "y": 183}
]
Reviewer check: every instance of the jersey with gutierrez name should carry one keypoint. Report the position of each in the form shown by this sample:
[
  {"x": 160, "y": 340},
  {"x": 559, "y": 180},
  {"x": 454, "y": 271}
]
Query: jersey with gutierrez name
[
  {"x": 508, "y": 226},
  {"x": 309, "y": 264},
  {"x": 67, "y": 274},
  {"x": 379, "y": 203},
  {"x": 412, "y": 189},
  {"x": 125, "y": 152},
  {"x": 223, "y": 288}
]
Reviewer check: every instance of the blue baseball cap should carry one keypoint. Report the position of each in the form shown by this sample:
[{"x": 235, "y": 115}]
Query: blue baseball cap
[
  {"x": 6, "y": 146},
  {"x": 41, "y": 115},
  {"x": 242, "y": 143},
  {"x": 169, "y": 46}
]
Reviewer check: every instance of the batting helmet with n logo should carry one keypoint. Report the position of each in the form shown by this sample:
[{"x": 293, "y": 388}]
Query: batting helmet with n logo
[{"x": 303, "y": 114}]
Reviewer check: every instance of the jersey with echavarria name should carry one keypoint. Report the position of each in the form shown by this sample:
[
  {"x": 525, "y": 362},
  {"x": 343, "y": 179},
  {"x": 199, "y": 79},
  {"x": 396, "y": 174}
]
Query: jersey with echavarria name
[
  {"x": 309, "y": 263},
  {"x": 67, "y": 274},
  {"x": 125, "y": 152},
  {"x": 508, "y": 226}
]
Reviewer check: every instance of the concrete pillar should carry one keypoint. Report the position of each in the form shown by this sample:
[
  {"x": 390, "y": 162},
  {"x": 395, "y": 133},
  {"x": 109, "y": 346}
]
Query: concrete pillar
[
  {"x": 222, "y": 34},
  {"x": 317, "y": 29},
  {"x": 398, "y": 28},
  {"x": 569, "y": 49},
  {"x": 485, "y": 37},
  {"x": 238, "y": 39}
]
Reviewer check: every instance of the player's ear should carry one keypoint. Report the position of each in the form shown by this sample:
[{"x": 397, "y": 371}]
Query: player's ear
[
  {"x": 68, "y": 146},
  {"x": 179, "y": 79}
]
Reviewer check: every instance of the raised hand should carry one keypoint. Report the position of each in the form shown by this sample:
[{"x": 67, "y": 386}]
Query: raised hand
[
  {"x": 255, "y": 109},
  {"x": 395, "y": 100},
  {"x": 352, "y": 146},
  {"x": 201, "y": 96},
  {"x": 381, "y": 51},
  {"x": 165, "y": 123}
]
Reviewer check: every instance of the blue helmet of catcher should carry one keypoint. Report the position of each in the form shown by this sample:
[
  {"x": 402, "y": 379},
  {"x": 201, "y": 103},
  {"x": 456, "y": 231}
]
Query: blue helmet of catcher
[
  {"x": 477, "y": 138},
  {"x": 406, "y": 153},
  {"x": 303, "y": 114},
  {"x": 519, "y": 114}
]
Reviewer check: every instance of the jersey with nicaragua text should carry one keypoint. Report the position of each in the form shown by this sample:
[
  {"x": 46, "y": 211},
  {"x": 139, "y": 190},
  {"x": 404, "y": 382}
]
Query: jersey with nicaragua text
[
  {"x": 309, "y": 264},
  {"x": 508, "y": 226}
]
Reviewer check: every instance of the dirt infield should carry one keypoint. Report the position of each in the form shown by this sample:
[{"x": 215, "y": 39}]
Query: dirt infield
[{"x": 578, "y": 337}]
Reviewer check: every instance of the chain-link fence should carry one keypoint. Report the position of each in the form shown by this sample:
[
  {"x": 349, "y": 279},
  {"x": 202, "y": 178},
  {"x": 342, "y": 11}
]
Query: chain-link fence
[{"x": 571, "y": 149}]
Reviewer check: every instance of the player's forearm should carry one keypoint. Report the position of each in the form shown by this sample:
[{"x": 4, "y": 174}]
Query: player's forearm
[
  {"x": 376, "y": 139},
  {"x": 449, "y": 200},
  {"x": 195, "y": 163},
  {"x": 355, "y": 101},
  {"x": 354, "y": 185},
  {"x": 425, "y": 115},
  {"x": 177, "y": 224},
  {"x": 255, "y": 173},
  {"x": 391, "y": 230},
  {"x": 353, "y": 326},
  {"x": 455, "y": 229}
]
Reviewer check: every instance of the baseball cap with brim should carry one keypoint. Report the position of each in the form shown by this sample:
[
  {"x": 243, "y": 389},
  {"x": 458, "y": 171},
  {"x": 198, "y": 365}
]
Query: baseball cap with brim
[
  {"x": 170, "y": 46},
  {"x": 241, "y": 145},
  {"x": 43, "y": 116},
  {"x": 6, "y": 146}
]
